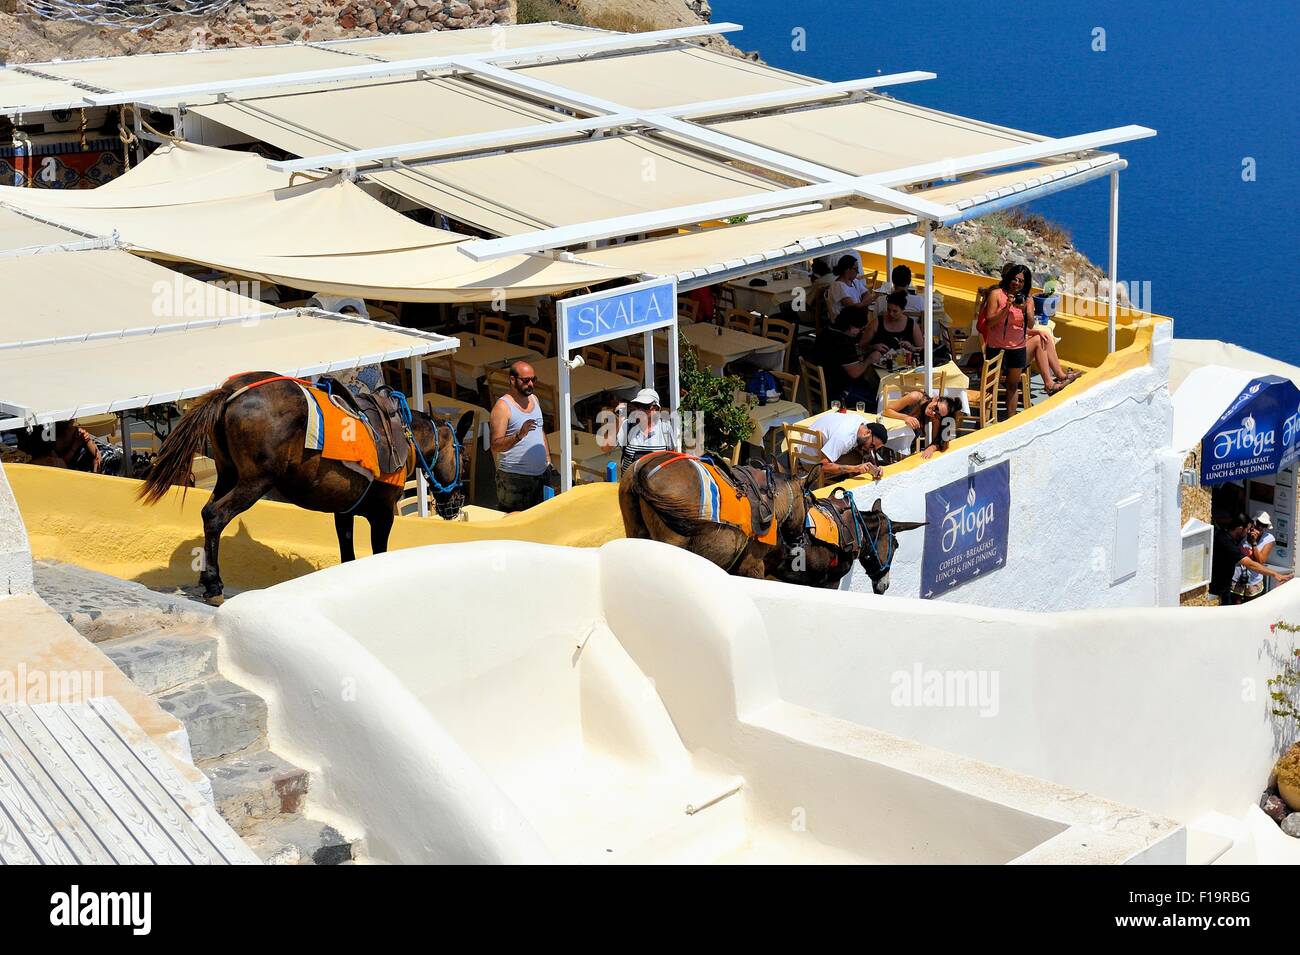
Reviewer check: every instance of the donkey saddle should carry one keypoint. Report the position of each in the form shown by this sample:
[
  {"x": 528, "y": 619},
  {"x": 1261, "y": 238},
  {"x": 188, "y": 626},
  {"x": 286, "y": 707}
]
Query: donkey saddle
[{"x": 379, "y": 411}]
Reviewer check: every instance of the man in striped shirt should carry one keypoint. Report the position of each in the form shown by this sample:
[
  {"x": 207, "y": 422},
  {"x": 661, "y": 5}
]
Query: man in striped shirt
[{"x": 643, "y": 427}]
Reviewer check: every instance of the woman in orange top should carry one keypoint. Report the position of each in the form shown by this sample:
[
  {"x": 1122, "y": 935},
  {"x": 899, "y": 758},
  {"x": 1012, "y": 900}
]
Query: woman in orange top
[{"x": 1007, "y": 316}]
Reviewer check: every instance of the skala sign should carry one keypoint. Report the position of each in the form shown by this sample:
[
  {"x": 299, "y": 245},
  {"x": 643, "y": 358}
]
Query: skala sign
[{"x": 617, "y": 313}]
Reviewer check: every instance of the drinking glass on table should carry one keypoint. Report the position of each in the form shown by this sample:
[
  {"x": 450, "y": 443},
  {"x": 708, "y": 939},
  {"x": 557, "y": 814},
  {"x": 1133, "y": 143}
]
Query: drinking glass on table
[
  {"x": 861, "y": 407},
  {"x": 835, "y": 405}
]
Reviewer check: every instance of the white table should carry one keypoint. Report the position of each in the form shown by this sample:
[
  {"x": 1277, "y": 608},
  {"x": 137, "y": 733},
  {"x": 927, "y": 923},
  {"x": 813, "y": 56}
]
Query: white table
[
  {"x": 586, "y": 381},
  {"x": 719, "y": 347},
  {"x": 766, "y": 299},
  {"x": 477, "y": 354},
  {"x": 587, "y": 454},
  {"x": 771, "y": 415}
]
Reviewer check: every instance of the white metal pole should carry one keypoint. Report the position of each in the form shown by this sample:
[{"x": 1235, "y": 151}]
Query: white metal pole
[
  {"x": 674, "y": 386},
  {"x": 1112, "y": 268},
  {"x": 417, "y": 395},
  {"x": 648, "y": 356},
  {"x": 929, "y": 308},
  {"x": 565, "y": 411},
  {"x": 889, "y": 259}
]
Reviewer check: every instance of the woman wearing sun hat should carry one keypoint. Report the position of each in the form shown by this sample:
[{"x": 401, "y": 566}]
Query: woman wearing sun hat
[{"x": 643, "y": 427}]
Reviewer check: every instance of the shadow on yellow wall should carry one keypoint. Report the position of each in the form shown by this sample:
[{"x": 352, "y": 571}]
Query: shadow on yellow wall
[{"x": 96, "y": 522}]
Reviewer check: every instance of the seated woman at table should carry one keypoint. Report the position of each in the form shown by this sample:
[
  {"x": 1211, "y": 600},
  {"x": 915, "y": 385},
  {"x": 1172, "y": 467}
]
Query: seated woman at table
[
  {"x": 937, "y": 412},
  {"x": 895, "y": 329},
  {"x": 848, "y": 287},
  {"x": 640, "y": 427},
  {"x": 850, "y": 377}
]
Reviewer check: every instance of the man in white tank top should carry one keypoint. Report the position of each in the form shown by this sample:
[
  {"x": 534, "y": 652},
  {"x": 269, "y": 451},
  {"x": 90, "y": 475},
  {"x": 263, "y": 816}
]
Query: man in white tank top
[{"x": 519, "y": 442}]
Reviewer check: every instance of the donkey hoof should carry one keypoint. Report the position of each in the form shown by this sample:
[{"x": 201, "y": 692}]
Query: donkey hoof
[{"x": 215, "y": 600}]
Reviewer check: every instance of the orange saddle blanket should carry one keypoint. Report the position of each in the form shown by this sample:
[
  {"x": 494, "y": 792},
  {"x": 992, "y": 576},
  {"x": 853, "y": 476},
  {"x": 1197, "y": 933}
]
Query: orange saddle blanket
[
  {"x": 340, "y": 435},
  {"x": 720, "y": 502}
]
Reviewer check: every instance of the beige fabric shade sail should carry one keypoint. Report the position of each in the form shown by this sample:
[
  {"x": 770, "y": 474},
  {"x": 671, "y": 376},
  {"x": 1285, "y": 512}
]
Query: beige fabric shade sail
[
  {"x": 322, "y": 236},
  {"x": 100, "y": 331},
  {"x": 329, "y": 236},
  {"x": 645, "y": 80}
]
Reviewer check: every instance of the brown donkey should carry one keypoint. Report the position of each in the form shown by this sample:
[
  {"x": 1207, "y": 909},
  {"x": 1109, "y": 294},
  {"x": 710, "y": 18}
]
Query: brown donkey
[
  {"x": 660, "y": 496},
  {"x": 839, "y": 534},
  {"x": 257, "y": 439}
]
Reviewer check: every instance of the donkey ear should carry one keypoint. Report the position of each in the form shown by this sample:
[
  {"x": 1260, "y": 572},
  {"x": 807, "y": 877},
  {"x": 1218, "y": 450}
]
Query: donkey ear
[
  {"x": 908, "y": 525},
  {"x": 876, "y": 507},
  {"x": 463, "y": 426},
  {"x": 812, "y": 477}
]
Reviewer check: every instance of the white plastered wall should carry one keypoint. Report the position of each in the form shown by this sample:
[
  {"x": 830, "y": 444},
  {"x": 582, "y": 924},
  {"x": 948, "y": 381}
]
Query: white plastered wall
[
  {"x": 1069, "y": 469},
  {"x": 15, "y": 553},
  {"x": 502, "y": 701},
  {"x": 1166, "y": 709}
]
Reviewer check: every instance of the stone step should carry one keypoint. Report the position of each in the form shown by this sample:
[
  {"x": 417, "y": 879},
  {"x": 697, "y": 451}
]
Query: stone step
[
  {"x": 255, "y": 787},
  {"x": 296, "y": 840},
  {"x": 159, "y": 660},
  {"x": 222, "y": 719}
]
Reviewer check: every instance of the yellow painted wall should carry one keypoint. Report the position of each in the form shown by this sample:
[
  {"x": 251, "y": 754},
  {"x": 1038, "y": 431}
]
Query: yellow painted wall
[
  {"x": 1080, "y": 323},
  {"x": 96, "y": 522}
]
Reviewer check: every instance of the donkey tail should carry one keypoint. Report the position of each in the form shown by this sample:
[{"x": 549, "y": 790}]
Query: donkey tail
[{"x": 175, "y": 459}]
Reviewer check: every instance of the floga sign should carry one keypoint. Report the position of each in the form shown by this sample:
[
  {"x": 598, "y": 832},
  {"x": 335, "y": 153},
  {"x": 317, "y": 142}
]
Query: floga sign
[
  {"x": 966, "y": 529},
  {"x": 1258, "y": 434}
]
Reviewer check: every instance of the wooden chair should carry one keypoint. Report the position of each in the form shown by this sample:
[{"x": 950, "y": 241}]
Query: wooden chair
[
  {"x": 493, "y": 326},
  {"x": 872, "y": 280},
  {"x": 780, "y": 330},
  {"x": 628, "y": 366},
  {"x": 497, "y": 382},
  {"x": 742, "y": 321},
  {"x": 442, "y": 374},
  {"x": 723, "y": 302},
  {"x": 984, "y": 400},
  {"x": 408, "y": 504},
  {"x": 789, "y": 385},
  {"x": 595, "y": 356},
  {"x": 803, "y": 448},
  {"x": 688, "y": 310},
  {"x": 814, "y": 379},
  {"x": 538, "y": 339},
  {"x": 550, "y": 404}
]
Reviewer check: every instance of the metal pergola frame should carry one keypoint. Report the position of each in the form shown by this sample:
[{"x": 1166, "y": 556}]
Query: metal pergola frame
[{"x": 681, "y": 125}]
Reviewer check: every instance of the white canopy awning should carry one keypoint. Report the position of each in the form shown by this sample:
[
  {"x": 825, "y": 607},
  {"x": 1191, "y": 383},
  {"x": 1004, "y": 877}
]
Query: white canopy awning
[{"x": 98, "y": 331}]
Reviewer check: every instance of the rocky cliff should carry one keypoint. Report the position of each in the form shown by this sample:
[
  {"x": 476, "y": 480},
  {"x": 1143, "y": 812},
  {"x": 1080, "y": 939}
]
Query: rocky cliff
[{"x": 27, "y": 38}]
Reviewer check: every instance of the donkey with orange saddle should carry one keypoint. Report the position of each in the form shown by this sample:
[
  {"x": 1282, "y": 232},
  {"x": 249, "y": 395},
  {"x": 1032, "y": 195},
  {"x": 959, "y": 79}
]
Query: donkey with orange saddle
[
  {"x": 740, "y": 518},
  {"x": 269, "y": 432},
  {"x": 835, "y": 534}
]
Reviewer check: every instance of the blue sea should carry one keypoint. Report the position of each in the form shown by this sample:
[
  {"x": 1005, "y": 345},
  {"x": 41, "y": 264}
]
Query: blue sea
[{"x": 1208, "y": 208}]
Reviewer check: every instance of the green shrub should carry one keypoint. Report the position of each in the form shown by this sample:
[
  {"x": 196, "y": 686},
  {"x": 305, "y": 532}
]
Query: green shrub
[
  {"x": 544, "y": 11},
  {"x": 725, "y": 422},
  {"x": 985, "y": 253}
]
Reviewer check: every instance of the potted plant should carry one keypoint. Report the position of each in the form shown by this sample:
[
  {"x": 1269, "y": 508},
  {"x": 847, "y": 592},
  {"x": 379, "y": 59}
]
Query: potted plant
[
  {"x": 713, "y": 398},
  {"x": 1286, "y": 705}
]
